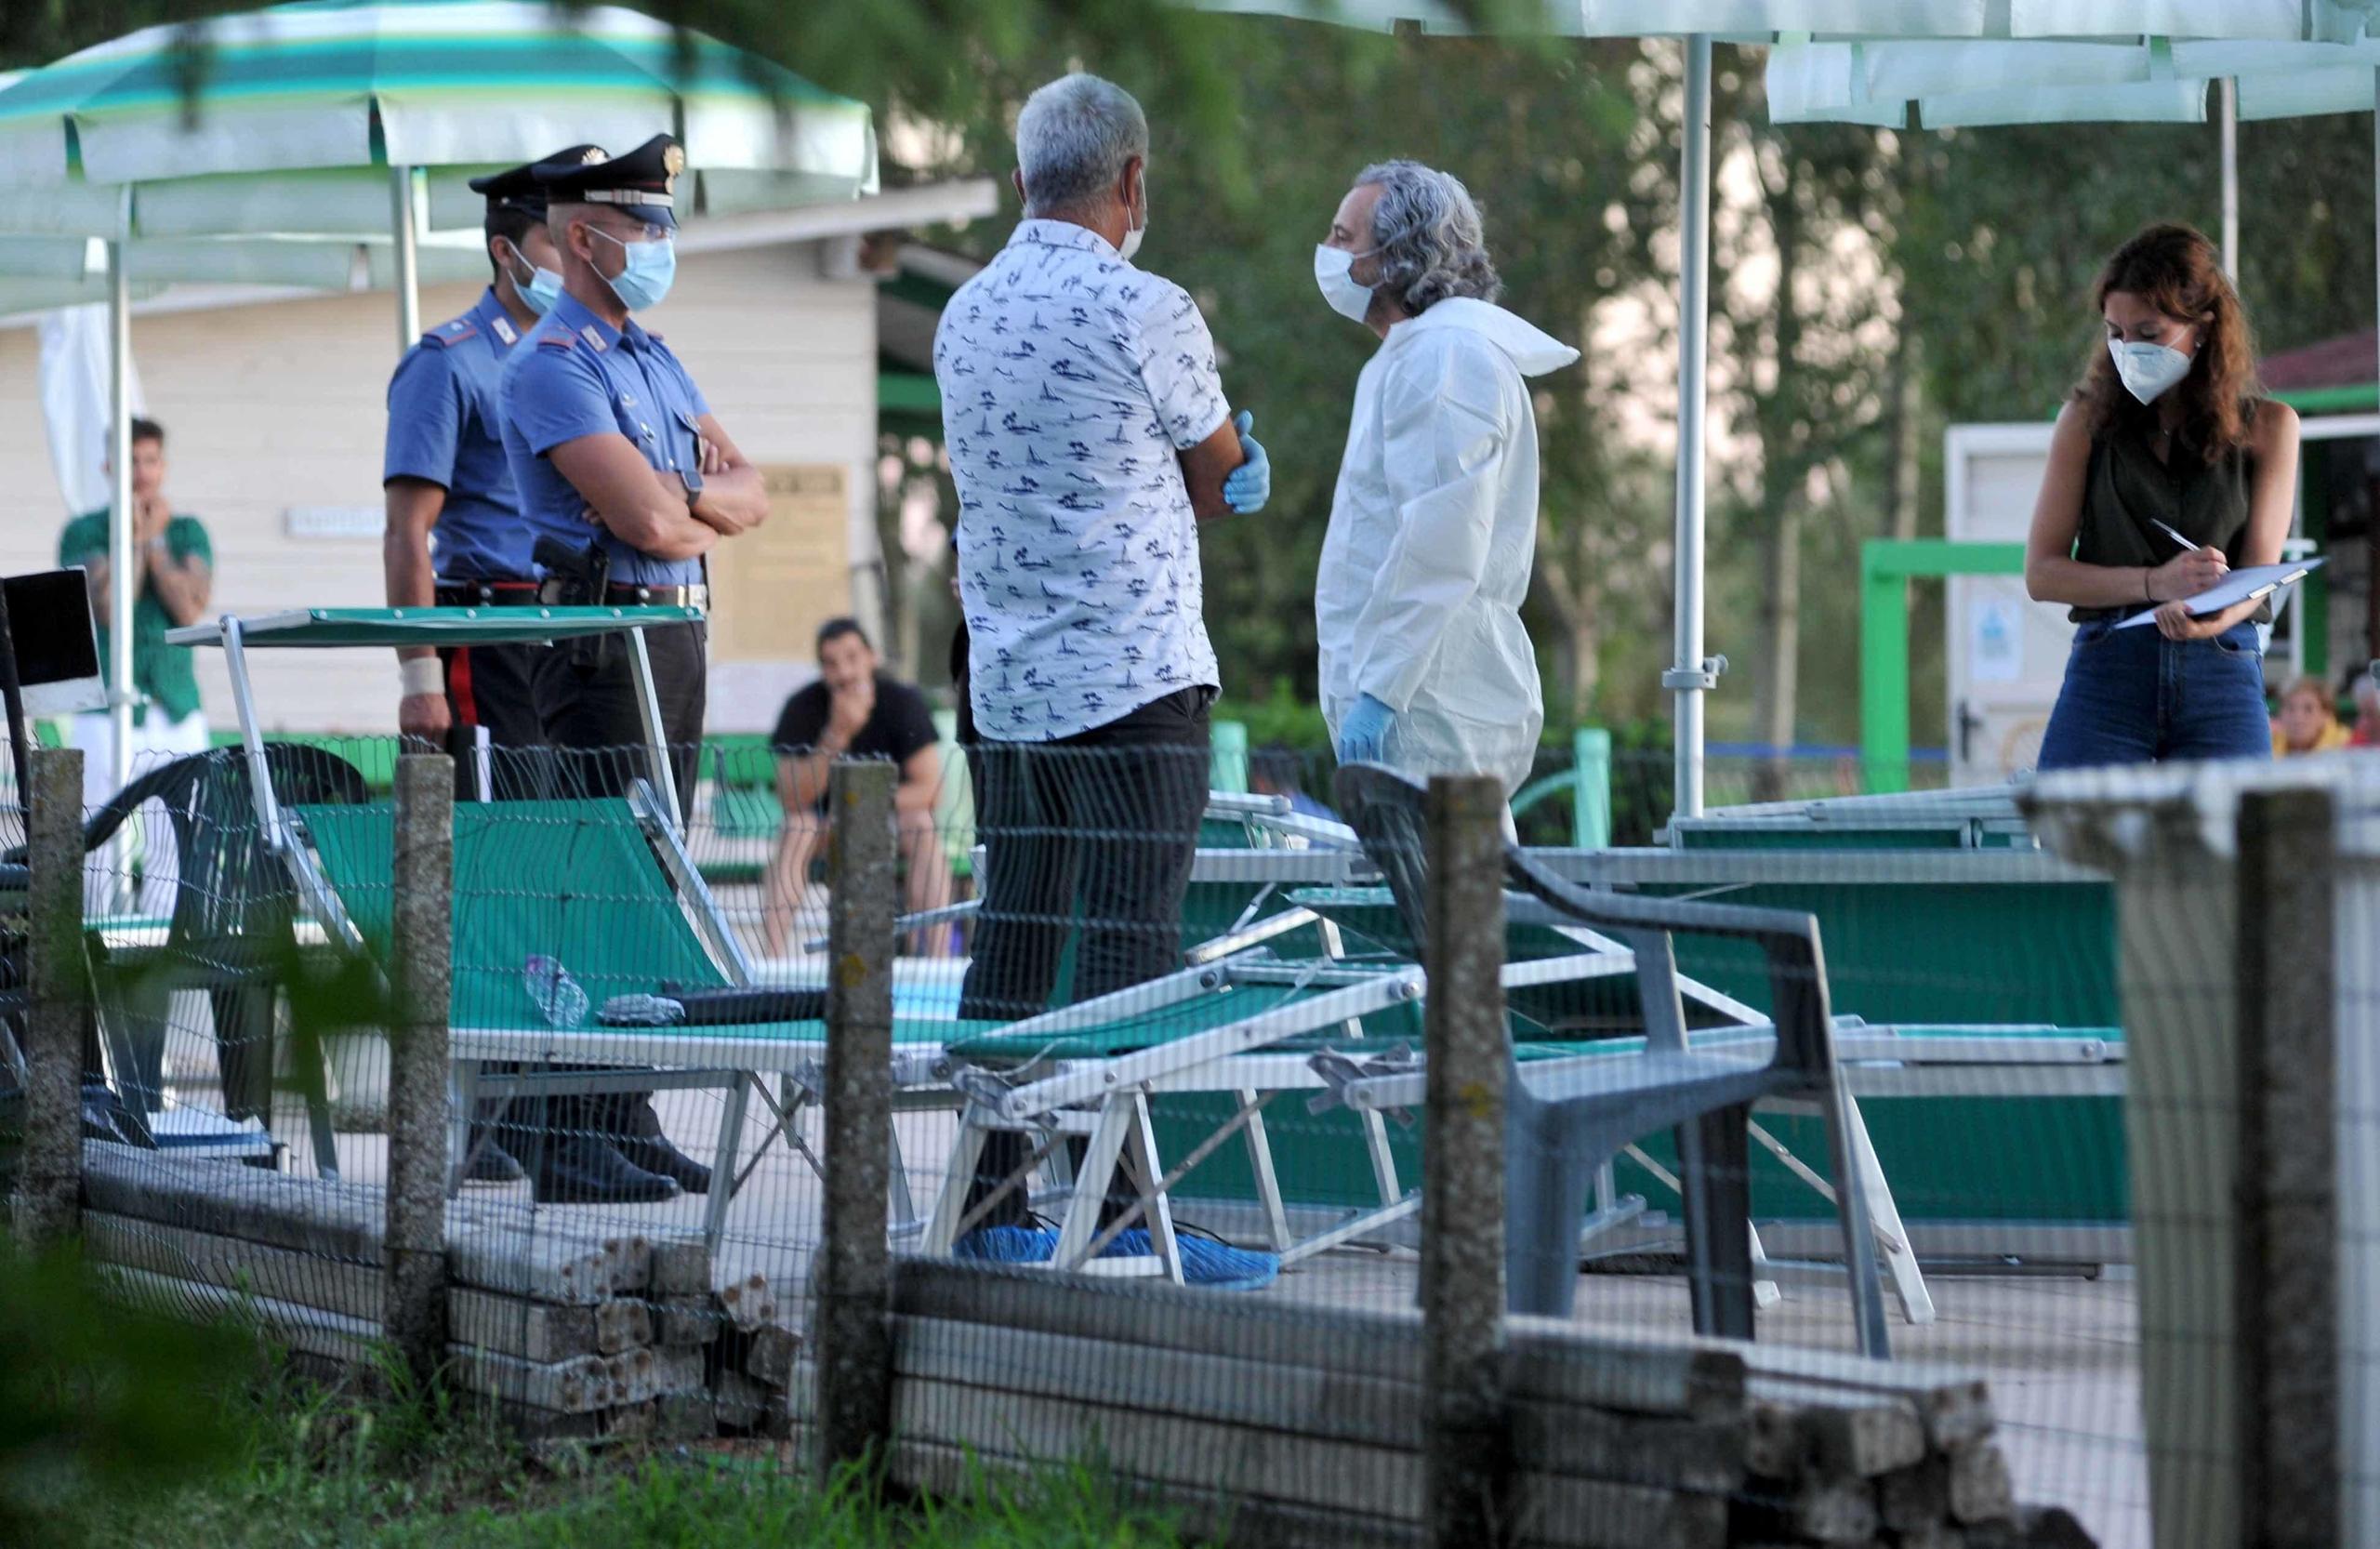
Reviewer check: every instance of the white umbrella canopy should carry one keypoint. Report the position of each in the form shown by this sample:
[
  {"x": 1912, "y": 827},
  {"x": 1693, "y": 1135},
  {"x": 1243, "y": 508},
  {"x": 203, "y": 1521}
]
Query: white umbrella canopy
[
  {"x": 2289, "y": 20},
  {"x": 1958, "y": 84},
  {"x": 1941, "y": 86},
  {"x": 1823, "y": 77}
]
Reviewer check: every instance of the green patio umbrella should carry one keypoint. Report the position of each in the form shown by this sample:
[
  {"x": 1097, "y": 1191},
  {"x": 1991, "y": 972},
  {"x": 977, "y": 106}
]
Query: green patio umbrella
[
  {"x": 316, "y": 127},
  {"x": 345, "y": 118}
]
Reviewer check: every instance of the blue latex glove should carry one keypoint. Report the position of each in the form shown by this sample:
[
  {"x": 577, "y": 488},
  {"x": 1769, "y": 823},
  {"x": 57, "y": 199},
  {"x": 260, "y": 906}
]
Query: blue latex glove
[
  {"x": 1247, "y": 488},
  {"x": 1365, "y": 732}
]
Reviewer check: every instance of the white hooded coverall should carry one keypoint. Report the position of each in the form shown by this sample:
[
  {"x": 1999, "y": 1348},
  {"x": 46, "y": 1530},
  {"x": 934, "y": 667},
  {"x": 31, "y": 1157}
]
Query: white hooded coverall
[{"x": 1433, "y": 531}]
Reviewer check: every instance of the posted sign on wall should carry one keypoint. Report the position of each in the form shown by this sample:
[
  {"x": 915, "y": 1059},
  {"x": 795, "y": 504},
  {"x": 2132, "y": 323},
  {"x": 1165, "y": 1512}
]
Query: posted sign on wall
[{"x": 773, "y": 587}]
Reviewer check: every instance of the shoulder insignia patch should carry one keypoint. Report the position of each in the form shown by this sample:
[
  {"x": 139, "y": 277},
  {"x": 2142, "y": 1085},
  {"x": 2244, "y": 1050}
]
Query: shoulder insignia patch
[
  {"x": 451, "y": 333},
  {"x": 556, "y": 341}
]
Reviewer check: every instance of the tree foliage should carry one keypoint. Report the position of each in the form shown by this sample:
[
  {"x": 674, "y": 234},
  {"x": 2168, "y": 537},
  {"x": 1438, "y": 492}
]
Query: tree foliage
[{"x": 1837, "y": 251}]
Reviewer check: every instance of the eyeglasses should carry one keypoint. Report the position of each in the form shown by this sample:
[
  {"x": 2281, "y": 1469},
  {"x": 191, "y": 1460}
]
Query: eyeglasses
[{"x": 630, "y": 234}]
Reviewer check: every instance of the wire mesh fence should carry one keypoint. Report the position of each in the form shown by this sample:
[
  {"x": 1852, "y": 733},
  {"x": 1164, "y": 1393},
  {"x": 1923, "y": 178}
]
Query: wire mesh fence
[{"x": 1846, "y": 1077}]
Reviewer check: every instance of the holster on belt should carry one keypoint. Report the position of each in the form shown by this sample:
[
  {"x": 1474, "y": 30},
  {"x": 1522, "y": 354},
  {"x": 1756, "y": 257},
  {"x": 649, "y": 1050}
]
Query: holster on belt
[{"x": 576, "y": 579}]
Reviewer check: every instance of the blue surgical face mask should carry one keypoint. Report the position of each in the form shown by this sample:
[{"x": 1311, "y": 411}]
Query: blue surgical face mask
[
  {"x": 540, "y": 291},
  {"x": 651, "y": 266}
]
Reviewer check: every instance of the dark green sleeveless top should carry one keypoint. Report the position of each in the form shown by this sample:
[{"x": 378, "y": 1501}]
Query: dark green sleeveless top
[{"x": 2126, "y": 486}]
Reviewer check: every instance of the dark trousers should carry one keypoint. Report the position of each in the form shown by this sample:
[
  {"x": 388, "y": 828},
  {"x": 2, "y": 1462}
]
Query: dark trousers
[
  {"x": 587, "y": 705},
  {"x": 1108, "y": 817},
  {"x": 586, "y": 700},
  {"x": 491, "y": 692}
]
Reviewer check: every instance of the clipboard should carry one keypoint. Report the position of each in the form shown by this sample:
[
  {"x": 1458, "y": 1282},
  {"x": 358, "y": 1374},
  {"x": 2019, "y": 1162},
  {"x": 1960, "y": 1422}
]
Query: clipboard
[{"x": 2249, "y": 584}]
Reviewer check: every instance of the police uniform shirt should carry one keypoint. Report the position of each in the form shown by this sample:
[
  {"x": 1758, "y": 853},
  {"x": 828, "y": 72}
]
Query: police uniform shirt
[
  {"x": 445, "y": 427},
  {"x": 573, "y": 376}
]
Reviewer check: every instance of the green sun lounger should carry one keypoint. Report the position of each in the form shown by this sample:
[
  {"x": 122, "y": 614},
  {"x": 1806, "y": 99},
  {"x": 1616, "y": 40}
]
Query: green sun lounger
[{"x": 588, "y": 884}]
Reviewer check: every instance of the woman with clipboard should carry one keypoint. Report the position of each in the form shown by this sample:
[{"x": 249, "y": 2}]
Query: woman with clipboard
[{"x": 2168, "y": 468}]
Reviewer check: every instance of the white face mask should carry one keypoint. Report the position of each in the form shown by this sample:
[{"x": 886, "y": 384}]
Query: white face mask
[
  {"x": 1332, "y": 268},
  {"x": 2147, "y": 371},
  {"x": 1133, "y": 235}
]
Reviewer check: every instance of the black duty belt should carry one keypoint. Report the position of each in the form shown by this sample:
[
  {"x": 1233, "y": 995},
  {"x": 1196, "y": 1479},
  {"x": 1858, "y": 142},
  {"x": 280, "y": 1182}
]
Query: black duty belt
[
  {"x": 560, "y": 591},
  {"x": 486, "y": 594},
  {"x": 658, "y": 597}
]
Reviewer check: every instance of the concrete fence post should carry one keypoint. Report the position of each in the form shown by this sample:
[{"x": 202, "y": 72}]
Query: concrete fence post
[
  {"x": 851, "y": 1333},
  {"x": 1465, "y": 1443},
  {"x": 414, "y": 1249},
  {"x": 50, "y": 1170},
  {"x": 2286, "y": 1269}
]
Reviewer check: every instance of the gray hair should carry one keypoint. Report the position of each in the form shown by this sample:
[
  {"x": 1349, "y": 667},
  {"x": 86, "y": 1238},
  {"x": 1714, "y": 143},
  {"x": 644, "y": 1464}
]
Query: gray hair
[
  {"x": 1426, "y": 232},
  {"x": 1073, "y": 140}
]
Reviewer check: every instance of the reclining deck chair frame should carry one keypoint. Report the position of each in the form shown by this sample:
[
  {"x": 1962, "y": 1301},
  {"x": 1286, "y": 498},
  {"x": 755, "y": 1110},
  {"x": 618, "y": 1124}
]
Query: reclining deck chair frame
[
  {"x": 1566, "y": 1120},
  {"x": 655, "y": 804},
  {"x": 1090, "y": 1070},
  {"x": 1069, "y": 1073}
]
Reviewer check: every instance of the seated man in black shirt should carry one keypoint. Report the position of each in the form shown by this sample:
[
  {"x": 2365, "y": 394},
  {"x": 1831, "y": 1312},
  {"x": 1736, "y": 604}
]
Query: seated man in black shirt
[{"x": 855, "y": 710}]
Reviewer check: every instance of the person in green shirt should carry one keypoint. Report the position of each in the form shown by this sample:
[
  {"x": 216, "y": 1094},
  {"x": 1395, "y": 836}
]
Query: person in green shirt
[{"x": 176, "y": 580}]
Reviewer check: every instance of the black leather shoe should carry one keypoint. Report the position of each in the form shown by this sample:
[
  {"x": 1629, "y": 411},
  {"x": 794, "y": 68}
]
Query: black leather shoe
[
  {"x": 491, "y": 1163},
  {"x": 584, "y": 1170},
  {"x": 643, "y": 1143}
]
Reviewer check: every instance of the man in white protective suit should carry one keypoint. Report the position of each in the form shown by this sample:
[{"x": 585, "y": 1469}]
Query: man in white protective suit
[{"x": 1425, "y": 665}]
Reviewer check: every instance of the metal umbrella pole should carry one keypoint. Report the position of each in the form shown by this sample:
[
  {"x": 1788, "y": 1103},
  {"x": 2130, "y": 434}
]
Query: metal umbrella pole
[
  {"x": 1691, "y": 676},
  {"x": 123, "y": 562},
  {"x": 404, "y": 226},
  {"x": 2230, "y": 138}
]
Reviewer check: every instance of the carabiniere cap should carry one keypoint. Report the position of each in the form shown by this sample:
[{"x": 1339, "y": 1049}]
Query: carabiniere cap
[
  {"x": 517, "y": 188},
  {"x": 642, "y": 182}
]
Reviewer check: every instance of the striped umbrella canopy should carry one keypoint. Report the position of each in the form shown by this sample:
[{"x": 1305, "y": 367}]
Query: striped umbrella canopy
[
  {"x": 297, "y": 112},
  {"x": 324, "y": 141}
]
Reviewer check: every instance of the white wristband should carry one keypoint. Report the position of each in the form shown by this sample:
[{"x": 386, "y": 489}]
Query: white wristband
[{"x": 422, "y": 675}]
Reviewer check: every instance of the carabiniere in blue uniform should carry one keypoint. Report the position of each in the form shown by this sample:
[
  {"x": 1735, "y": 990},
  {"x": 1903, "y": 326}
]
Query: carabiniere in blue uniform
[
  {"x": 577, "y": 375},
  {"x": 446, "y": 429},
  {"x": 574, "y": 375}
]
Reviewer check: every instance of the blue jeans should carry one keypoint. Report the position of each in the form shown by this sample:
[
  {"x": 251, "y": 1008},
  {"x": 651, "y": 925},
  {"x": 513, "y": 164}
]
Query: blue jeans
[{"x": 2134, "y": 697}]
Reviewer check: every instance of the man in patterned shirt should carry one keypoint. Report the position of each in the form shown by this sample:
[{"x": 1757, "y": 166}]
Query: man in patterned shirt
[{"x": 1088, "y": 436}]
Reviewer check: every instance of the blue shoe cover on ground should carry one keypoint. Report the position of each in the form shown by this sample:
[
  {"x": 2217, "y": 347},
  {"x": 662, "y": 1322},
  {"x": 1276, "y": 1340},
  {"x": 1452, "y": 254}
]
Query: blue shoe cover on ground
[{"x": 1204, "y": 1261}]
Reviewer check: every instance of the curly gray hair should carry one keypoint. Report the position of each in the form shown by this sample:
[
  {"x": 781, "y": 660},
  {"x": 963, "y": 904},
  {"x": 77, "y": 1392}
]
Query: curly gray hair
[
  {"x": 1073, "y": 140},
  {"x": 1426, "y": 232}
]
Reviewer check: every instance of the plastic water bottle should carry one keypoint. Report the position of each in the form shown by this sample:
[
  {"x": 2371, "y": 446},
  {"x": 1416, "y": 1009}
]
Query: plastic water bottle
[{"x": 556, "y": 993}]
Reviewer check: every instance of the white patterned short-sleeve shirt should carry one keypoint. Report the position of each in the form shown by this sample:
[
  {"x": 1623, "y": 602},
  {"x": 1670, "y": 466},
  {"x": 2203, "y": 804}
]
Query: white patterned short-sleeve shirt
[{"x": 1070, "y": 380}]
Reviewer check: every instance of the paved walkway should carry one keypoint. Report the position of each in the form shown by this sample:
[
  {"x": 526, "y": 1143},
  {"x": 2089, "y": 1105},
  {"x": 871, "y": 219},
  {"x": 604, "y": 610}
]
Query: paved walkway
[{"x": 2062, "y": 1355}]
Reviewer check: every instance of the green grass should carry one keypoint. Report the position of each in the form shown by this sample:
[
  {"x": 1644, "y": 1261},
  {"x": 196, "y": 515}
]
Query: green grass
[{"x": 308, "y": 1468}]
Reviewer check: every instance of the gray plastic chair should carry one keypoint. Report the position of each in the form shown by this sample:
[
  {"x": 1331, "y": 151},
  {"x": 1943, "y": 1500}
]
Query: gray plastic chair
[{"x": 1564, "y": 1119}]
